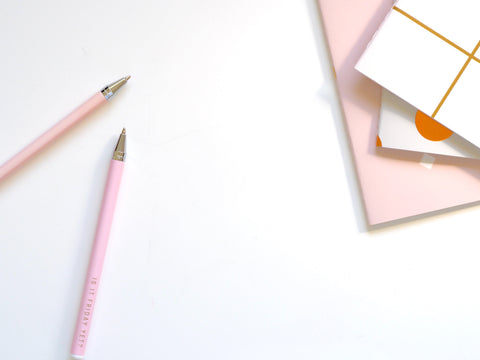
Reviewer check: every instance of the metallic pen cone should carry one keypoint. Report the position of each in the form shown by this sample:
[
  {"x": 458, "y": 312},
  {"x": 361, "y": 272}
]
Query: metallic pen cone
[
  {"x": 112, "y": 88},
  {"x": 119, "y": 153}
]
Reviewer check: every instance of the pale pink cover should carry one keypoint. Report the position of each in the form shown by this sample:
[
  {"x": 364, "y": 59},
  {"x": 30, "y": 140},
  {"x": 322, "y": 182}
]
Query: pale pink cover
[{"x": 394, "y": 184}]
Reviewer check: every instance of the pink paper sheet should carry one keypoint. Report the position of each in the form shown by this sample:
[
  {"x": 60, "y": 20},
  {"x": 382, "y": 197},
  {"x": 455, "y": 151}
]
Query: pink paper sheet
[{"x": 394, "y": 184}]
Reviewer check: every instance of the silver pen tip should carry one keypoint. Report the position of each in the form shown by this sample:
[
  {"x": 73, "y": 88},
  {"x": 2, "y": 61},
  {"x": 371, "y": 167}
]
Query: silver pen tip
[
  {"x": 120, "y": 150},
  {"x": 112, "y": 88}
]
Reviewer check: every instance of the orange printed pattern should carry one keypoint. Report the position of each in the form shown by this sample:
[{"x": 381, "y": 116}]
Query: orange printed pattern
[
  {"x": 471, "y": 56},
  {"x": 431, "y": 129}
]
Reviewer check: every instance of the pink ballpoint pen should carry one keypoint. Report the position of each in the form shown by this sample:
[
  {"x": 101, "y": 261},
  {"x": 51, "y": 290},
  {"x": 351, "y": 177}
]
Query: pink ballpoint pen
[
  {"x": 60, "y": 127},
  {"x": 99, "y": 249}
]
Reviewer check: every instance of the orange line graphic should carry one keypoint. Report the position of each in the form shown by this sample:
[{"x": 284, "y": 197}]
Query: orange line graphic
[
  {"x": 418, "y": 22},
  {"x": 471, "y": 56},
  {"x": 455, "y": 81}
]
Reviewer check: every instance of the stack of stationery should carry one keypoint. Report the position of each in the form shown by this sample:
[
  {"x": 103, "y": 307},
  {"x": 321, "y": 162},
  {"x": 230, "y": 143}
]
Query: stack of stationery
[{"x": 408, "y": 74}]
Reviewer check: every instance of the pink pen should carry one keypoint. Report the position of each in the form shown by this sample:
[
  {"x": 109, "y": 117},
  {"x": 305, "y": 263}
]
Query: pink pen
[
  {"x": 99, "y": 249},
  {"x": 60, "y": 127}
]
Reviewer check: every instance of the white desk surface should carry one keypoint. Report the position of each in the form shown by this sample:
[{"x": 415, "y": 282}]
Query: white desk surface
[{"x": 238, "y": 232}]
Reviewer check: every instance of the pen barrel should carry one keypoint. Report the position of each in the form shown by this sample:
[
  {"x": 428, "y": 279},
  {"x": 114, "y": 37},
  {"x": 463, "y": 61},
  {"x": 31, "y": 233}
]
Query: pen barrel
[
  {"x": 51, "y": 134},
  {"x": 97, "y": 257}
]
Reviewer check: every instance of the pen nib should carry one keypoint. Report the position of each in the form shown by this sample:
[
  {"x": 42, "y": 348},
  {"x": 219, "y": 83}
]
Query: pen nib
[
  {"x": 112, "y": 88},
  {"x": 119, "y": 153}
]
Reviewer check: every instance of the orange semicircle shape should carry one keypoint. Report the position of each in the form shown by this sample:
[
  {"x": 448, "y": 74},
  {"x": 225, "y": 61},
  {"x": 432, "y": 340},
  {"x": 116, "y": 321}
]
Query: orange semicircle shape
[{"x": 430, "y": 129}]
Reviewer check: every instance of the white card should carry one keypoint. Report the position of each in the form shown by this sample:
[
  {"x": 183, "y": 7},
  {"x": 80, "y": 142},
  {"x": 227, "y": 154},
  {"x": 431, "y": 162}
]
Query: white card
[
  {"x": 425, "y": 52},
  {"x": 404, "y": 127}
]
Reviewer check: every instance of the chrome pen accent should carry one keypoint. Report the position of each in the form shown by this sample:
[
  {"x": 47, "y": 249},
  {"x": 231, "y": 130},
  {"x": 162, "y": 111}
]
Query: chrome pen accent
[
  {"x": 119, "y": 153},
  {"x": 112, "y": 88}
]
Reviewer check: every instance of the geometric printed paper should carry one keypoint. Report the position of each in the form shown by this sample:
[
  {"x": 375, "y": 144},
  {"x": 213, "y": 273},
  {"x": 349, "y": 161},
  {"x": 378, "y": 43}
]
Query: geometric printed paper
[
  {"x": 392, "y": 188},
  {"x": 403, "y": 127},
  {"x": 427, "y": 53}
]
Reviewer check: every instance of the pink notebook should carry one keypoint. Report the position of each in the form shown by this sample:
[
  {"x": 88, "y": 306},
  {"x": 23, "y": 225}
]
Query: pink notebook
[{"x": 394, "y": 183}]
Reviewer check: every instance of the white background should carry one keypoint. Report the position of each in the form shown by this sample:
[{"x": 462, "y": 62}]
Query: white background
[{"x": 239, "y": 232}]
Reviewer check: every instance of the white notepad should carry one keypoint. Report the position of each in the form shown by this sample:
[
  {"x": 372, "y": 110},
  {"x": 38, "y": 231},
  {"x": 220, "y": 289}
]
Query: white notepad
[
  {"x": 404, "y": 127},
  {"x": 425, "y": 52}
]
